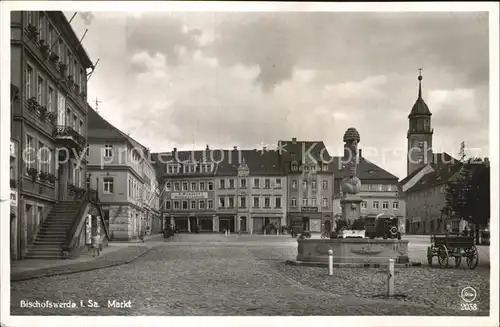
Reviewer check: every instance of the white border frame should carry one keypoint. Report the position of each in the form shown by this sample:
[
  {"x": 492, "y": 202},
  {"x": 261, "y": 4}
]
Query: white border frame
[{"x": 7, "y": 6}]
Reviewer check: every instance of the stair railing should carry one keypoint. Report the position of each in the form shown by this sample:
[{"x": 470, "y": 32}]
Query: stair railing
[{"x": 70, "y": 239}]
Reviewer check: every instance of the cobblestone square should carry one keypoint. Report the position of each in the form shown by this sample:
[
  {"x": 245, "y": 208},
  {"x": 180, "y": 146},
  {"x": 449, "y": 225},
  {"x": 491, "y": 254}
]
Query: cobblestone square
[{"x": 241, "y": 275}]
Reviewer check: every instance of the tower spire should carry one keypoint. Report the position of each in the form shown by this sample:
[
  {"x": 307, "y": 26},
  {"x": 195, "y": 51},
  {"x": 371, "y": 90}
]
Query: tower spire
[{"x": 420, "y": 83}]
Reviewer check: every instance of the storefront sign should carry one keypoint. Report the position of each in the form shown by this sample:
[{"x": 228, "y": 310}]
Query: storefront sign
[
  {"x": 189, "y": 195},
  {"x": 309, "y": 209},
  {"x": 415, "y": 220},
  {"x": 13, "y": 198}
]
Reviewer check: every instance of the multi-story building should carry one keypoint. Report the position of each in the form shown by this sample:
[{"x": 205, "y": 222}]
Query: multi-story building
[
  {"x": 310, "y": 176},
  {"x": 187, "y": 183},
  {"x": 49, "y": 117},
  {"x": 251, "y": 192},
  {"x": 119, "y": 170},
  {"x": 426, "y": 200},
  {"x": 380, "y": 190}
]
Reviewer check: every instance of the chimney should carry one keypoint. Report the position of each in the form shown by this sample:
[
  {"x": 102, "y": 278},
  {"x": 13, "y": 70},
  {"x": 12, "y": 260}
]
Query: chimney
[
  {"x": 294, "y": 140},
  {"x": 175, "y": 150},
  {"x": 360, "y": 154},
  {"x": 235, "y": 147},
  {"x": 207, "y": 148}
]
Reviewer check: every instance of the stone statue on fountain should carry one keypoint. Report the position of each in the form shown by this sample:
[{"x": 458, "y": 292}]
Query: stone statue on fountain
[{"x": 351, "y": 184}]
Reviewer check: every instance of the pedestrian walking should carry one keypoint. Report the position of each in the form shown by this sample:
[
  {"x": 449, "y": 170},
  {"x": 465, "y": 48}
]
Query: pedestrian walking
[{"x": 96, "y": 245}]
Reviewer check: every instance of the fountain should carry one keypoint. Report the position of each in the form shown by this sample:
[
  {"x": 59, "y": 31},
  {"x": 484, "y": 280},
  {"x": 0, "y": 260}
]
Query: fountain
[{"x": 352, "y": 247}]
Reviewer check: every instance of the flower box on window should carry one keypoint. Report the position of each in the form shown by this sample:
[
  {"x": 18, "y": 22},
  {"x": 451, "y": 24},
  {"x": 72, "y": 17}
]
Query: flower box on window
[
  {"x": 62, "y": 68},
  {"x": 43, "y": 176},
  {"x": 51, "y": 178},
  {"x": 53, "y": 57},
  {"x": 43, "y": 112},
  {"x": 32, "y": 104},
  {"x": 33, "y": 173},
  {"x": 44, "y": 47},
  {"x": 52, "y": 117},
  {"x": 32, "y": 31}
]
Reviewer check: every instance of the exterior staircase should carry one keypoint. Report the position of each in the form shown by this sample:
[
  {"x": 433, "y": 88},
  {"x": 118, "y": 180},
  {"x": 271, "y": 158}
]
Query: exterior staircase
[{"x": 52, "y": 235}]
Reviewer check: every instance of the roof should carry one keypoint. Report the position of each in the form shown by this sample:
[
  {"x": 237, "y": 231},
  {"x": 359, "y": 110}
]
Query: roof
[
  {"x": 440, "y": 175},
  {"x": 366, "y": 170},
  {"x": 304, "y": 150},
  {"x": 261, "y": 163},
  {"x": 100, "y": 128},
  {"x": 420, "y": 107},
  {"x": 439, "y": 159}
]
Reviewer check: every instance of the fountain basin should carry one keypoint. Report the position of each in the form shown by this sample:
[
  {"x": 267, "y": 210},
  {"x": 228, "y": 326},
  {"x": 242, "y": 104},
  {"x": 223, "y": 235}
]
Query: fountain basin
[{"x": 353, "y": 250}]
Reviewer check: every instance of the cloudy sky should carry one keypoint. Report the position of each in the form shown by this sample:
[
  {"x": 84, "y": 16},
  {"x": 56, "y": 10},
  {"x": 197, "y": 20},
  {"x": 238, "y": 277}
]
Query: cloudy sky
[{"x": 187, "y": 79}]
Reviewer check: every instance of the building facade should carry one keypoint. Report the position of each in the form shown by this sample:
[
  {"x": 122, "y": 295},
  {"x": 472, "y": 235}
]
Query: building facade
[
  {"x": 380, "y": 191},
  {"x": 119, "y": 170},
  {"x": 49, "y": 117},
  {"x": 187, "y": 190},
  {"x": 310, "y": 181}
]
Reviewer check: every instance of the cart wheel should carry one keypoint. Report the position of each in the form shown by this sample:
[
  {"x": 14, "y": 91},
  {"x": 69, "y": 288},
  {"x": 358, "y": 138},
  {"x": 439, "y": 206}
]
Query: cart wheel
[
  {"x": 443, "y": 256},
  {"x": 429, "y": 256},
  {"x": 458, "y": 261},
  {"x": 472, "y": 257}
]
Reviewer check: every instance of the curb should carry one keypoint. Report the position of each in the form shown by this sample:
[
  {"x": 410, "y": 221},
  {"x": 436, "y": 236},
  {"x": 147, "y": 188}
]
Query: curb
[
  {"x": 350, "y": 265},
  {"x": 19, "y": 277}
]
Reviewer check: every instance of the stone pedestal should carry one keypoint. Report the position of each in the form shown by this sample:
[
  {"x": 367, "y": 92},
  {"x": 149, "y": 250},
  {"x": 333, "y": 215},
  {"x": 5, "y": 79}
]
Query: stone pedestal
[
  {"x": 351, "y": 208},
  {"x": 355, "y": 250}
]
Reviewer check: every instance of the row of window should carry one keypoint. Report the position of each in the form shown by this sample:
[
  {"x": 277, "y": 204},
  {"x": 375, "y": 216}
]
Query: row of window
[
  {"x": 228, "y": 202},
  {"x": 305, "y": 185},
  {"x": 379, "y": 187},
  {"x": 202, "y": 186},
  {"x": 312, "y": 168},
  {"x": 202, "y": 204},
  {"x": 309, "y": 202},
  {"x": 203, "y": 167},
  {"x": 256, "y": 183},
  {"x": 46, "y": 96},
  {"x": 49, "y": 34},
  {"x": 385, "y": 205}
]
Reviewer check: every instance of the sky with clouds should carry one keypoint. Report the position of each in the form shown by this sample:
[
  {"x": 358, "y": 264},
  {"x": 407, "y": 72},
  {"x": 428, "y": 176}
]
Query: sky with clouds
[{"x": 187, "y": 79}]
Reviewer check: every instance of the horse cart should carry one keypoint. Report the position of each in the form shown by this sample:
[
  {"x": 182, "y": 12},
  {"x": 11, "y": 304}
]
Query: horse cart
[{"x": 445, "y": 246}]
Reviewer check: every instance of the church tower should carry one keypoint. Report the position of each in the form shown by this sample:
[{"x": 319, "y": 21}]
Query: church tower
[{"x": 419, "y": 133}]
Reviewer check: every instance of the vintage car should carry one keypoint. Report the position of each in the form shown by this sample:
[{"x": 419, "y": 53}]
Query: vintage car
[
  {"x": 298, "y": 229},
  {"x": 385, "y": 226}
]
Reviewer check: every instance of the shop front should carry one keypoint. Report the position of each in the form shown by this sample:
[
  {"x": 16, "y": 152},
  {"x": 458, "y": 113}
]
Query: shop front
[
  {"x": 226, "y": 222},
  {"x": 269, "y": 224},
  {"x": 311, "y": 219}
]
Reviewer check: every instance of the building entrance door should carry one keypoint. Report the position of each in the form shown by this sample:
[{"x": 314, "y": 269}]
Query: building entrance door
[
  {"x": 192, "y": 224},
  {"x": 305, "y": 223}
]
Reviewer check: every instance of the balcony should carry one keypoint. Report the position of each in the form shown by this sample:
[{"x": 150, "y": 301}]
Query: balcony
[{"x": 68, "y": 137}]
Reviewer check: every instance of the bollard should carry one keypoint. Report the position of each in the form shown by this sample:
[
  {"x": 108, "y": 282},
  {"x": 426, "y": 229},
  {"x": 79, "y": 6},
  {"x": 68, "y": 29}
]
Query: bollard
[
  {"x": 390, "y": 279},
  {"x": 225, "y": 232},
  {"x": 228, "y": 232},
  {"x": 330, "y": 262},
  {"x": 265, "y": 232}
]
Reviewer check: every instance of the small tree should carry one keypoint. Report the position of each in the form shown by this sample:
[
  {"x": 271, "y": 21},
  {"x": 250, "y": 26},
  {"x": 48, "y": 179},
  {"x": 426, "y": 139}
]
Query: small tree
[{"x": 468, "y": 196}]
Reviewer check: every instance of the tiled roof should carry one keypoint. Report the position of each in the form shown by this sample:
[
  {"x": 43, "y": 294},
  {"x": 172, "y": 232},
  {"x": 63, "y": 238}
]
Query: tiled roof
[
  {"x": 100, "y": 128},
  {"x": 439, "y": 159},
  {"x": 407, "y": 178},
  {"x": 366, "y": 170},
  {"x": 420, "y": 108},
  {"x": 298, "y": 150},
  {"x": 226, "y": 161},
  {"x": 442, "y": 174}
]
